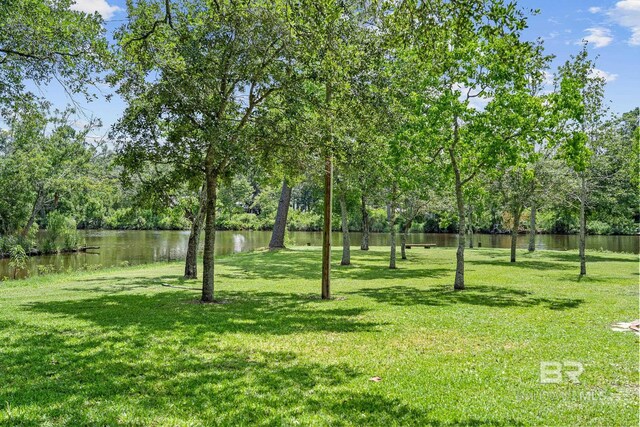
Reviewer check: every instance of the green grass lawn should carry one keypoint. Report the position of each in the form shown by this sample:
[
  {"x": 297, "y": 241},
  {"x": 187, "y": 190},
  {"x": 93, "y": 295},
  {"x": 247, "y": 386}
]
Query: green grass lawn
[{"x": 116, "y": 347}]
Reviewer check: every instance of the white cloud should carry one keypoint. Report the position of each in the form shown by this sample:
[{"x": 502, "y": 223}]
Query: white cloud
[
  {"x": 598, "y": 36},
  {"x": 100, "y": 6},
  {"x": 626, "y": 13},
  {"x": 608, "y": 77},
  {"x": 479, "y": 103},
  {"x": 594, "y": 9}
]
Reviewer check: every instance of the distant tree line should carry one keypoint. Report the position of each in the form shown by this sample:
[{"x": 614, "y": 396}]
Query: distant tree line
[{"x": 78, "y": 179}]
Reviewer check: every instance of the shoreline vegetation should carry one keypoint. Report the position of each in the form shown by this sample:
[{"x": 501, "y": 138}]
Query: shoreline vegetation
[
  {"x": 38, "y": 252},
  {"x": 274, "y": 353},
  {"x": 414, "y": 229},
  {"x": 297, "y": 220}
]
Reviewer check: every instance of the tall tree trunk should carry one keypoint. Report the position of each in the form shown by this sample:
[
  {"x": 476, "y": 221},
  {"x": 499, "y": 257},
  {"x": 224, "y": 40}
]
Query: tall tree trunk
[
  {"x": 280, "y": 226},
  {"x": 583, "y": 225},
  {"x": 470, "y": 227},
  {"x": 346, "y": 240},
  {"x": 458, "y": 284},
  {"x": 328, "y": 198},
  {"x": 209, "y": 237},
  {"x": 326, "y": 232},
  {"x": 191, "y": 262},
  {"x": 391, "y": 214},
  {"x": 514, "y": 231},
  {"x": 532, "y": 228},
  {"x": 364, "y": 244},
  {"x": 37, "y": 205}
]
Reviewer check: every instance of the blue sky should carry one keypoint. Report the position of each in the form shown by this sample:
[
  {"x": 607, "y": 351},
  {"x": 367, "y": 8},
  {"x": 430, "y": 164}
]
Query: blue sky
[{"x": 612, "y": 29}]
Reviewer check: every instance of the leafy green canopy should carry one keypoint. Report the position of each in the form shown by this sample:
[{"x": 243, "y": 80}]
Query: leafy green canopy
[
  {"x": 193, "y": 75},
  {"x": 42, "y": 160},
  {"x": 41, "y": 40}
]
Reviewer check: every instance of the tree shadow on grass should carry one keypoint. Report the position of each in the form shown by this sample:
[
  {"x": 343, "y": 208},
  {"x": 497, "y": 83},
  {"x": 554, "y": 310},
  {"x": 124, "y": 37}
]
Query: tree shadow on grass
[
  {"x": 158, "y": 360},
  {"x": 117, "y": 285},
  {"x": 241, "y": 312},
  {"x": 532, "y": 264},
  {"x": 306, "y": 265},
  {"x": 585, "y": 279},
  {"x": 125, "y": 378},
  {"x": 89, "y": 381},
  {"x": 273, "y": 265},
  {"x": 376, "y": 272},
  {"x": 591, "y": 257},
  {"x": 490, "y": 296}
]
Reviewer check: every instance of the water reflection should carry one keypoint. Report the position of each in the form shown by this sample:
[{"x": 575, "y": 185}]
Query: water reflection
[
  {"x": 137, "y": 247},
  {"x": 238, "y": 243}
]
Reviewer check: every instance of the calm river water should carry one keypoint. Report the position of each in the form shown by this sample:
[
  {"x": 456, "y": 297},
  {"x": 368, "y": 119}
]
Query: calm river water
[{"x": 139, "y": 247}]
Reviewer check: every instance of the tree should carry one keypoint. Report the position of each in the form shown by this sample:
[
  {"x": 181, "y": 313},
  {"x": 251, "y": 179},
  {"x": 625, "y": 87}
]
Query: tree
[
  {"x": 411, "y": 207},
  {"x": 515, "y": 189},
  {"x": 615, "y": 175},
  {"x": 43, "y": 159},
  {"x": 206, "y": 66},
  {"x": 159, "y": 184},
  {"x": 530, "y": 119},
  {"x": 580, "y": 96},
  {"x": 332, "y": 33},
  {"x": 17, "y": 259},
  {"x": 344, "y": 219},
  {"x": 196, "y": 216},
  {"x": 288, "y": 121},
  {"x": 543, "y": 186},
  {"x": 468, "y": 51},
  {"x": 477, "y": 200},
  {"x": 280, "y": 224}
]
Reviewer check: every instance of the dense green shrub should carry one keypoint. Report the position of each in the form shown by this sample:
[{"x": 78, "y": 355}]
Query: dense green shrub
[
  {"x": 624, "y": 226},
  {"x": 612, "y": 224},
  {"x": 7, "y": 242},
  {"x": 61, "y": 234},
  {"x": 173, "y": 219},
  {"x": 378, "y": 220},
  {"x": 417, "y": 227},
  {"x": 146, "y": 219},
  {"x": 55, "y": 227},
  {"x": 558, "y": 222},
  {"x": 242, "y": 221},
  {"x": 70, "y": 238},
  {"x": 117, "y": 218},
  {"x": 598, "y": 227},
  {"x": 17, "y": 259},
  {"x": 303, "y": 221}
]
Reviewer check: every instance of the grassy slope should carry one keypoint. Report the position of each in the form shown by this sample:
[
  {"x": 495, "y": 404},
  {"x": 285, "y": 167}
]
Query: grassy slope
[{"x": 116, "y": 347}]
